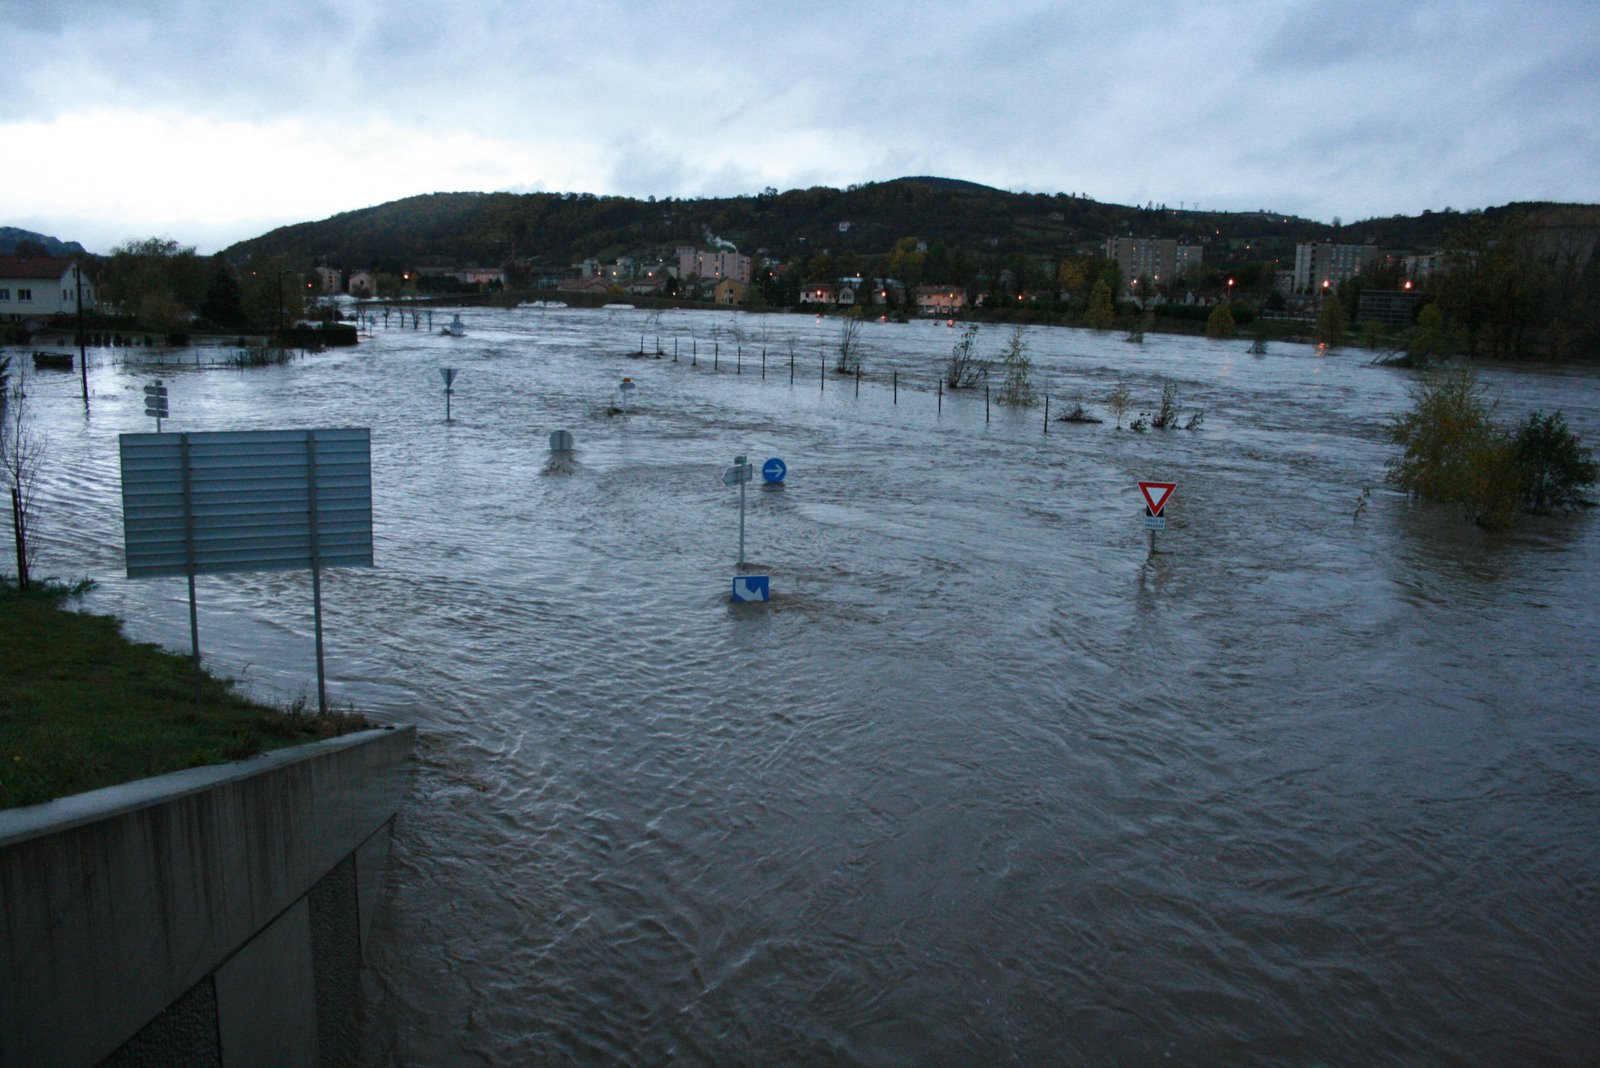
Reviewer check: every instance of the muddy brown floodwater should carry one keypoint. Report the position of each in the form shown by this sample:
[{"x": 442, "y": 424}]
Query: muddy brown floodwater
[{"x": 985, "y": 782}]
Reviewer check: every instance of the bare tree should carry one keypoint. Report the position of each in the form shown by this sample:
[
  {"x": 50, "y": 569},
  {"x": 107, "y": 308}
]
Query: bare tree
[
  {"x": 849, "y": 353},
  {"x": 21, "y": 460}
]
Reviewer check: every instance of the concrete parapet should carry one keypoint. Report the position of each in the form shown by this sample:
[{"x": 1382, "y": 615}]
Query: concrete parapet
[{"x": 234, "y": 892}]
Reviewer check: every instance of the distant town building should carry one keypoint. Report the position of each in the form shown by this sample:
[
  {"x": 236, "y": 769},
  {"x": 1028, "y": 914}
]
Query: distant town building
[
  {"x": 328, "y": 281},
  {"x": 1320, "y": 265},
  {"x": 1161, "y": 259},
  {"x": 363, "y": 284},
  {"x": 585, "y": 284},
  {"x": 730, "y": 292},
  {"x": 722, "y": 263},
  {"x": 39, "y": 286},
  {"x": 939, "y": 300},
  {"x": 1391, "y": 307}
]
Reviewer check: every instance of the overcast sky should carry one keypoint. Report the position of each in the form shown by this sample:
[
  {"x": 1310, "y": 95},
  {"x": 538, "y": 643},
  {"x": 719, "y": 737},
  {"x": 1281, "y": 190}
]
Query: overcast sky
[{"x": 211, "y": 121}]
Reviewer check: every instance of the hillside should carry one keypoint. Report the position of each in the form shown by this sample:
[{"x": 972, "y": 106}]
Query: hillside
[
  {"x": 11, "y": 237},
  {"x": 553, "y": 230}
]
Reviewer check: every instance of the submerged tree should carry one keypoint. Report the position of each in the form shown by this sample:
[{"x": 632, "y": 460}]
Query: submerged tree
[
  {"x": 21, "y": 460},
  {"x": 1120, "y": 402},
  {"x": 965, "y": 369},
  {"x": 1553, "y": 467},
  {"x": 1101, "y": 315},
  {"x": 1220, "y": 324},
  {"x": 847, "y": 360},
  {"x": 1333, "y": 322},
  {"x": 1017, "y": 388}
]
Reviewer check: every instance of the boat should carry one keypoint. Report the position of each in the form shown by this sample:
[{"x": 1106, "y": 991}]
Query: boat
[{"x": 52, "y": 361}]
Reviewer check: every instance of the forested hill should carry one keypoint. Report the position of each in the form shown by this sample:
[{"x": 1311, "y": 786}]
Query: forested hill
[{"x": 556, "y": 229}]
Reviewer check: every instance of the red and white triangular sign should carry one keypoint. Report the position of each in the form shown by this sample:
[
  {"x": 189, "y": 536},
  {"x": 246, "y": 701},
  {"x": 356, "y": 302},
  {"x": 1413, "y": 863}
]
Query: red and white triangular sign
[{"x": 1156, "y": 494}]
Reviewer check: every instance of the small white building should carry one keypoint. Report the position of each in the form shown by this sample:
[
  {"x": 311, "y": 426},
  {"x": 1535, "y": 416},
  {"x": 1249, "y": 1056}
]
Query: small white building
[{"x": 37, "y": 287}]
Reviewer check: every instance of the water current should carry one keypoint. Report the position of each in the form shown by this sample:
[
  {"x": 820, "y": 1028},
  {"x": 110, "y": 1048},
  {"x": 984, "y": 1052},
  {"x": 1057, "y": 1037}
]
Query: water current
[{"x": 987, "y": 781}]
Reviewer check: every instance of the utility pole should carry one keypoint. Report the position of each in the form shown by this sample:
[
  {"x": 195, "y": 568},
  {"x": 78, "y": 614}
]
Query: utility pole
[{"x": 83, "y": 356}]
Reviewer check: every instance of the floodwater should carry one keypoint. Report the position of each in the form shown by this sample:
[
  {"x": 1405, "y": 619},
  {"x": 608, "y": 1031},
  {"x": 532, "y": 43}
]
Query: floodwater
[{"x": 986, "y": 781}]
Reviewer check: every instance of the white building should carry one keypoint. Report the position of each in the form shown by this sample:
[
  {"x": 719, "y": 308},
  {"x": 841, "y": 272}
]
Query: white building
[{"x": 37, "y": 287}]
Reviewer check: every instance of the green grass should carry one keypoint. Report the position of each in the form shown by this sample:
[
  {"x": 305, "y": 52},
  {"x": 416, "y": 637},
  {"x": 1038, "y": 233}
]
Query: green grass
[{"x": 83, "y": 707}]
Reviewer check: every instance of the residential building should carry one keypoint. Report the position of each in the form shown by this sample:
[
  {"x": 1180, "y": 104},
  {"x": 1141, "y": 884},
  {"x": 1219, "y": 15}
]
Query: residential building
[
  {"x": 730, "y": 292},
  {"x": 1322, "y": 265},
  {"x": 36, "y": 287},
  {"x": 939, "y": 300},
  {"x": 1161, "y": 259},
  {"x": 327, "y": 281},
  {"x": 722, "y": 263},
  {"x": 585, "y": 284},
  {"x": 363, "y": 284},
  {"x": 824, "y": 293}
]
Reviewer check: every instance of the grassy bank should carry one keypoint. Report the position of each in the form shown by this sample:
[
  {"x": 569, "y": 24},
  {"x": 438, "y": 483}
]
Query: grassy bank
[{"x": 82, "y": 707}]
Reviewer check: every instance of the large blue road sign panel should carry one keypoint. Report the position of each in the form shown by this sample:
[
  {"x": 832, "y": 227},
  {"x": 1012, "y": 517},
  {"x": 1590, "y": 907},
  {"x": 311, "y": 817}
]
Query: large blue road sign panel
[{"x": 750, "y": 588}]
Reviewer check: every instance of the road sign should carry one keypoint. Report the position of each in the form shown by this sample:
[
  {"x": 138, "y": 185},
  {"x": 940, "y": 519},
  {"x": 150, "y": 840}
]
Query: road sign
[
  {"x": 561, "y": 441},
  {"x": 1156, "y": 495},
  {"x": 774, "y": 470},
  {"x": 737, "y": 473},
  {"x": 449, "y": 376},
  {"x": 155, "y": 402},
  {"x": 751, "y": 588},
  {"x": 628, "y": 383},
  {"x": 1155, "y": 522}
]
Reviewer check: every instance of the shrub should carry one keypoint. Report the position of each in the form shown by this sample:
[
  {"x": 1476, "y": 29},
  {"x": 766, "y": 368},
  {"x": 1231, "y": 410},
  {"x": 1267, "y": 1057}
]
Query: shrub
[
  {"x": 1332, "y": 322},
  {"x": 1120, "y": 401},
  {"x": 1220, "y": 323},
  {"x": 1452, "y": 451},
  {"x": 1552, "y": 464},
  {"x": 1017, "y": 389},
  {"x": 965, "y": 370}
]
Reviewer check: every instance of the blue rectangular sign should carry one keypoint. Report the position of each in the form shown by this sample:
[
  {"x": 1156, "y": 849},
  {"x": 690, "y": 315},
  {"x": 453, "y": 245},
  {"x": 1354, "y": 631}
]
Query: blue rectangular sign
[{"x": 750, "y": 588}]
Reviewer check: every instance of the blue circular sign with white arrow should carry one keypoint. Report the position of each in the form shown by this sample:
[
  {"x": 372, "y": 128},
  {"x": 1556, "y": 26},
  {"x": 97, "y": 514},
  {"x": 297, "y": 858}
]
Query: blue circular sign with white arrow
[{"x": 774, "y": 470}]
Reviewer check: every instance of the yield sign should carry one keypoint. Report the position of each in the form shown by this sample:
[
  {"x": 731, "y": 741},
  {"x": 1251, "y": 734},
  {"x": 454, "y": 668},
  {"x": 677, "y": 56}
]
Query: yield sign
[{"x": 1156, "y": 494}]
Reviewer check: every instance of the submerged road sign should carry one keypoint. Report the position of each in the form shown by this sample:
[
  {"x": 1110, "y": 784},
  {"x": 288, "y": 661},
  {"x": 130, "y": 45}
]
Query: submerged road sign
[
  {"x": 738, "y": 473},
  {"x": 1156, "y": 495},
  {"x": 751, "y": 588},
  {"x": 774, "y": 470}
]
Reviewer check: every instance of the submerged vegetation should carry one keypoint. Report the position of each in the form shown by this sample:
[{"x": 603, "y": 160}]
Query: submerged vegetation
[{"x": 1453, "y": 451}]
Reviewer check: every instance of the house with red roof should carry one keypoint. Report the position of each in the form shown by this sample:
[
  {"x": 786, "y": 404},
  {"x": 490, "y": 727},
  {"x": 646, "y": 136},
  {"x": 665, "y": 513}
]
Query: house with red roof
[{"x": 37, "y": 287}]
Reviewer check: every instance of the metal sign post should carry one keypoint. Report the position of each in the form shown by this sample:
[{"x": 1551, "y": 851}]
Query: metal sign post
[
  {"x": 155, "y": 402},
  {"x": 628, "y": 386},
  {"x": 449, "y": 376},
  {"x": 738, "y": 475}
]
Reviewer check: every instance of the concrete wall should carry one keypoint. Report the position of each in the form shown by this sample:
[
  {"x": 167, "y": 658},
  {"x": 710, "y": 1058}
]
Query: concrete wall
[{"x": 212, "y": 916}]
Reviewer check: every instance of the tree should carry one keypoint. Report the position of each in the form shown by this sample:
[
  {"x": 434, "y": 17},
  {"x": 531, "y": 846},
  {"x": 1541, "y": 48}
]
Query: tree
[
  {"x": 1101, "y": 315},
  {"x": 1452, "y": 452},
  {"x": 848, "y": 359},
  {"x": 1552, "y": 464},
  {"x": 222, "y": 305},
  {"x": 1219, "y": 324},
  {"x": 1017, "y": 388},
  {"x": 21, "y": 459},
  {"x": 157, "y": 266},
  {"x": 1332, "y": 322},
  {"x": 1371, "y": 334},
  {"x": 965, "y": 370},
  {"x": 1120, "y": 402}
]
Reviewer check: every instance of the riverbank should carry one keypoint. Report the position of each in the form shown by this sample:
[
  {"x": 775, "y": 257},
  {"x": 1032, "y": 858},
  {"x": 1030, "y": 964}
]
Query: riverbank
[{"x": 82, "y": 707}]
